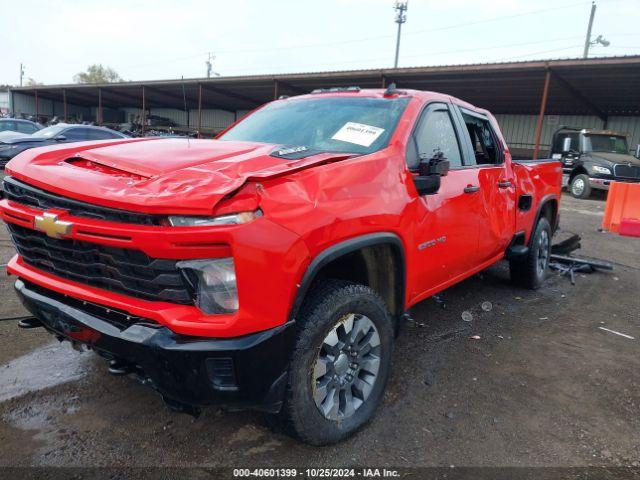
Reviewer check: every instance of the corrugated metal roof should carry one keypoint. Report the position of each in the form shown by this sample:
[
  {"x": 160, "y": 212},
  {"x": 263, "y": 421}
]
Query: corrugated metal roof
[{"x": 609, "y": 84}]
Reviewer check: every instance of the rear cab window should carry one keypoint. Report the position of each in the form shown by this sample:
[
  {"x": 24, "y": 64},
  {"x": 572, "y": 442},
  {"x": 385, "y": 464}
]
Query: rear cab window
[{"x": 482, "y": 137}]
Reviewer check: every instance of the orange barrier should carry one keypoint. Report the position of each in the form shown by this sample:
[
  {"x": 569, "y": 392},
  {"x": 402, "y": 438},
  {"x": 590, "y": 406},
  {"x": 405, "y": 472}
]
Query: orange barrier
[{"x": 623, "y": 202}]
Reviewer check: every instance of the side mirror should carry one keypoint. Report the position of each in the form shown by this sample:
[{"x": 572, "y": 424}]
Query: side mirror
[
  {"x": 566, "y": 145},
  {"x": 60, "y": 138},
  {"x": 638, "y": 151},
  {"x": 430, "y": 171}
]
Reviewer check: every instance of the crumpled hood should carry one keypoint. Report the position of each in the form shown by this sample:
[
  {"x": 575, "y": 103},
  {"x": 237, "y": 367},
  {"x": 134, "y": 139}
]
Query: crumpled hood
[
  {"x": 152, "y": 175},
  {"x": 615, "y": 158}
]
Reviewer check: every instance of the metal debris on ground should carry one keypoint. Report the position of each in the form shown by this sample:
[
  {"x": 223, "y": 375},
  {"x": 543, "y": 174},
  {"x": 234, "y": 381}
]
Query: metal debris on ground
[
  {"x": 567, "y": 246},
  {"x": 467, "y": 316},
  {"x": 617, "y": 333},
  {"x": 569, "y": 266},
  {"x": 440, "y": 301},
  {"x": 562, "y": 261},
  {"x": 475, "y": 337}
]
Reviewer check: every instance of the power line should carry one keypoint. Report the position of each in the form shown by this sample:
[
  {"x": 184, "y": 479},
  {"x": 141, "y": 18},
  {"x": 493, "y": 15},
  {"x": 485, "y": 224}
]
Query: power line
[
  {"x": 363, "y": 39},
  {"x": 416, "y": 32},
  {"x": 481, "y": 49}
]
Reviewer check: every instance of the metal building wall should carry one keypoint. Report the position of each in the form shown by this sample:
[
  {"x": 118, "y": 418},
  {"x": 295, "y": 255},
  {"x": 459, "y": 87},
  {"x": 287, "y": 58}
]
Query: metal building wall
[
  {"x": 628, "y": 125},
  {"x": 26, "y": 104},
  {"x": 215, "y": 119}
]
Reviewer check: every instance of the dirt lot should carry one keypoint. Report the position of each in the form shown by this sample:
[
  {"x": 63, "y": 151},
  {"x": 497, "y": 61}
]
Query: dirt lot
[{"x": 543, "y": 386}]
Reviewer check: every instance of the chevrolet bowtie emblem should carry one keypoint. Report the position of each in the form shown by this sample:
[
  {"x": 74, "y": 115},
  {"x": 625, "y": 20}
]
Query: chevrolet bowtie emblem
[{"x": 49, "y": 224}]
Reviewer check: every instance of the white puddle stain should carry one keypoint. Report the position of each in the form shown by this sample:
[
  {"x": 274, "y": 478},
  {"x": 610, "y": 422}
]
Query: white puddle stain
[{"x": 45, "y": 367}]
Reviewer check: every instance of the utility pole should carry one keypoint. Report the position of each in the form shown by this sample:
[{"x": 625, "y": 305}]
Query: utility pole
[
  {"x": 21, "y": 73},
  {"x": 401, "y": 17},
  {"x": 587, "y": 42},
  {"x": 209, "y": 63}
]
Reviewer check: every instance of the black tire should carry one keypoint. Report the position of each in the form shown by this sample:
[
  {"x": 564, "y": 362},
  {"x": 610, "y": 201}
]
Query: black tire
[
  {"x": 329, "y": 303},
  {"x": 531, "y": 271},
  {"x": 579, "y": 186}
]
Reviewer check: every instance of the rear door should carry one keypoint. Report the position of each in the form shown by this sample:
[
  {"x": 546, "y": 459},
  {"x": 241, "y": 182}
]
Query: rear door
[
  {"x": 446, "y": 233},
  {"x": 495, "y": 176}
]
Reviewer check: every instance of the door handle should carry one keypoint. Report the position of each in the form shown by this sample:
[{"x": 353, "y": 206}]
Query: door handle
[
  {"x": 471, "y": 189},
  {"x": 505, "y": 184}
]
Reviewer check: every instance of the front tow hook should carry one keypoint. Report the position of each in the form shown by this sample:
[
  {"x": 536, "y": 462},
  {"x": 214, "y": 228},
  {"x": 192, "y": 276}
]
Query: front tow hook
[{"x": 30, "y": 322}]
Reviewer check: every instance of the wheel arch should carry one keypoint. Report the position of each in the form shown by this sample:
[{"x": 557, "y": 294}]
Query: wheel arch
[
  {"x": 376, "y": 260},
  {"x": 549, "y": 209},
  {"x": 577, "y": 171}
]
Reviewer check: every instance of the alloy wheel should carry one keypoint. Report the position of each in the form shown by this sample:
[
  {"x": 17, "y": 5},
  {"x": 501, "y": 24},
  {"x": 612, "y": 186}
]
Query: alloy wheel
[{"x": 346, "y": 367}]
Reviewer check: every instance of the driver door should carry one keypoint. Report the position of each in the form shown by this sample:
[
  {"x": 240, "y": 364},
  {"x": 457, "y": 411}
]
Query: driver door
[{"x": 447, "y": 222}]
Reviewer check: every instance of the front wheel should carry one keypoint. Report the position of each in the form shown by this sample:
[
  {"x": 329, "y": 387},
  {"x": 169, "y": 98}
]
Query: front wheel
[
  {"x": 531, "y": 271},
  {"x": 340, "y": 363},
  {"x": 580, "y": 187}
]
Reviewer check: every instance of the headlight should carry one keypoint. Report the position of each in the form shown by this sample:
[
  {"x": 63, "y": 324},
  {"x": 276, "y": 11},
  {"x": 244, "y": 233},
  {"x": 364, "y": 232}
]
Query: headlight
[
  {"x": 214, "y": 284},
  {"x": 232, "y": 219},
  {"x": 602, "y": 170}
]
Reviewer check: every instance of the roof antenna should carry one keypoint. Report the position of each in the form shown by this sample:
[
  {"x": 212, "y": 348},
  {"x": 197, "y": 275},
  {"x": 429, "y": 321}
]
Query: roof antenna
[
  {"x": 391, "y": 89},
  {"x": 184, "y": 99}
]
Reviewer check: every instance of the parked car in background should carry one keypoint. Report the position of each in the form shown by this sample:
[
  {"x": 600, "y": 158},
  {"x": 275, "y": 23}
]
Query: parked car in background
[
  {"x": 19, "y": 125},
  {"x": 592, "y": 159},
  {"x": 12, "y": 143}
]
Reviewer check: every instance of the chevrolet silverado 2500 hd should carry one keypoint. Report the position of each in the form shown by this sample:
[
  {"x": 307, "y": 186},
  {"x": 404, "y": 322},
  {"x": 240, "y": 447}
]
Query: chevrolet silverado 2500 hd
[{"x": 270, "y": 268}]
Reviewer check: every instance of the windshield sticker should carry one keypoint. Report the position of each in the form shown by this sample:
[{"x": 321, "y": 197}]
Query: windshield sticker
[{"x": 358, "y": 133}]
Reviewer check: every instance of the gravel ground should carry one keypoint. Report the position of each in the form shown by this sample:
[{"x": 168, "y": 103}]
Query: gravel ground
[{"x": 543, "y": 386}]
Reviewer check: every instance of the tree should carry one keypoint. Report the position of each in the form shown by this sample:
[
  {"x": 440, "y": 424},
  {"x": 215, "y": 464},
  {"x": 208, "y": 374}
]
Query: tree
[
  {"x": 32, "y": 83},
  {"x": 96, "y": 73}
]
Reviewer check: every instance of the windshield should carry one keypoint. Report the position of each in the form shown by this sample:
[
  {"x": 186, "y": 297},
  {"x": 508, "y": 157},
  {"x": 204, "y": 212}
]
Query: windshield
[
  {"x": 50, "y": 132},
  {"x": 350, "y": 125},
  {"x": 606, "y": 143}
]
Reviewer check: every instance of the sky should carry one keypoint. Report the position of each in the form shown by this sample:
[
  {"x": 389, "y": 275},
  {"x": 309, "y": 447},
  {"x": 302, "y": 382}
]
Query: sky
[{"x": 161, "y": 39}]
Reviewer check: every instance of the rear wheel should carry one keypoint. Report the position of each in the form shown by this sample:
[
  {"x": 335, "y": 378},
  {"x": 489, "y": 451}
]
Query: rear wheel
[
  {"x": 340, "y": 363},
  {"x": 531, "y": 271},
  {"x": 580, "y": 187}
]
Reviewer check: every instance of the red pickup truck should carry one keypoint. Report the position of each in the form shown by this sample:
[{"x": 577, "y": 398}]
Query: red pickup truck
[{"x": 270, "y": 268}]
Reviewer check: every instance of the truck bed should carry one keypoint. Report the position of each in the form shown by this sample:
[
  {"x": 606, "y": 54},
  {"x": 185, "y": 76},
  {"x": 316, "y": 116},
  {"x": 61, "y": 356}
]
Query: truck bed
[{"x": 539, "y": 179}]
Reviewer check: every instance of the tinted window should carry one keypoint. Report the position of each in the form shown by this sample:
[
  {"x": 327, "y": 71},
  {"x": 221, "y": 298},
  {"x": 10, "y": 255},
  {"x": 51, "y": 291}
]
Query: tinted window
[
  {"x": 559, "y": 143},
  {"x": 606, "y": 143},
  {"x": 7, "y": 125},
  {"x": 358, "y": 125},
  {"x": 483, "y": 140},
  {"x": 435, "y": 133},
  {"x": 76, "y": 134},
  {"x": 100, "y": 134},
  {"x": 24, "y": 127},
  {"x": 52, "y": 131}
]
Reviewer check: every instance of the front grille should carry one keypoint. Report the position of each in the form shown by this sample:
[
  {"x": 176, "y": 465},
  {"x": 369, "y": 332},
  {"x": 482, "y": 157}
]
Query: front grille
[
  {"x": 20, "y": 192},
  {"x": 626, "y": 171},
  {"x": 120, "y": 270}
]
